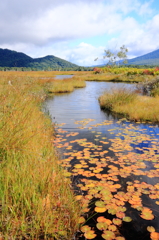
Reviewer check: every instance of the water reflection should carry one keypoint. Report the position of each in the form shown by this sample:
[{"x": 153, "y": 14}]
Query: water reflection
[{"x": 81, "y": 104}]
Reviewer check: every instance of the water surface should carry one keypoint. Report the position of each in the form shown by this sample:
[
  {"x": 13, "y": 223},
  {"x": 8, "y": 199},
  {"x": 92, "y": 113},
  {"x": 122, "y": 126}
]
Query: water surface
[
  {"x": 81, "y": 103},
  {"x": 60, "y": 77},
  {"x": 108, "y": 150}
]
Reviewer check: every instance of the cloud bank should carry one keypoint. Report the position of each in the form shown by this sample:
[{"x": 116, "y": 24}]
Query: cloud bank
[{"x": 43, "y": 27}]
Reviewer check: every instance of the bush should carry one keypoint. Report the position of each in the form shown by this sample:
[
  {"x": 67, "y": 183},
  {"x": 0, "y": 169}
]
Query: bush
[{"x": 97, "y": 70}]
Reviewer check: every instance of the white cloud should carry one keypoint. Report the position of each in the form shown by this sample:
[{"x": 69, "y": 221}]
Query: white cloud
[
  {"x": 146, "y": 8},
  {"x": 39, "y": 22},
  {"x": 140, "y": 39},
  {"x": 83, "y": 54},
  {"x": 43, "y": 27}
]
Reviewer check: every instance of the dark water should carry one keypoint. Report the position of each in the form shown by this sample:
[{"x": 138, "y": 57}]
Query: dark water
[{"x": 80, "y": 112}]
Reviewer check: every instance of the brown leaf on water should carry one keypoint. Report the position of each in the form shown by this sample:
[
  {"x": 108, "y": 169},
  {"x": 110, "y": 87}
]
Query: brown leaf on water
[
  {"x": 150, "y": 229},
  {"x": 147, "y": 214},
  {"x": 100, "y": 209},
  {"x": 154, "y": 235}
]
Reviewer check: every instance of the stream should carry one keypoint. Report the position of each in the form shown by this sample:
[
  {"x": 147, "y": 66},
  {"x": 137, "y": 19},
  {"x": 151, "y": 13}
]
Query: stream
[{"x": 113, "y": 164}]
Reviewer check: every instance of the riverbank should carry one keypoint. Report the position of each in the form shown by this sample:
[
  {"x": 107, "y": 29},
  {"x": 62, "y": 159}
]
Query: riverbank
[
  {"x": 36, "y": 196},
  {"x": 131, "y": 105}
]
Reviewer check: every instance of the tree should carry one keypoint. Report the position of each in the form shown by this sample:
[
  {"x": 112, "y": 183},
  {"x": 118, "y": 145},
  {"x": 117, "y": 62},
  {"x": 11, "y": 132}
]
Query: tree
[
  {"x": 119, "y": 56},
  {"x": 122, "y": 54}
]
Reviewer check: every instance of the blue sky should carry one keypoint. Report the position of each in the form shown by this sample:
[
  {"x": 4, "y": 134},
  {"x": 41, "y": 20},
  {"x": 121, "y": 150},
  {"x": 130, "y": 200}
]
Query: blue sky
[{"x": 79, "y": 30}]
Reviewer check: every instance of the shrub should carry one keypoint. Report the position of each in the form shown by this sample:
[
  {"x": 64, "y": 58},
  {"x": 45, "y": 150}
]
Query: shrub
[{"x": 97, "y": 70}]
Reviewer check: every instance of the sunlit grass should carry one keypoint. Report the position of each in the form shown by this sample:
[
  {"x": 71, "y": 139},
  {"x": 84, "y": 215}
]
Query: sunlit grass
[
  {"x": 143, "y": 108},
  {"x": 66, "y": 85},
  {"x": 122, "y": 77},
  {"x": 116, "y": 97},
  {"x": 61, "y": 86},
  {"x": 129, "y": 104},
  {"x": 36, "y": 197}
]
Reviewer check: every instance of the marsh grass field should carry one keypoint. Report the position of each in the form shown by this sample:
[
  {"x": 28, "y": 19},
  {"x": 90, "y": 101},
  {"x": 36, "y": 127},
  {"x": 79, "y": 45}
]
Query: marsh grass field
[{"x": 37, "y": 198}]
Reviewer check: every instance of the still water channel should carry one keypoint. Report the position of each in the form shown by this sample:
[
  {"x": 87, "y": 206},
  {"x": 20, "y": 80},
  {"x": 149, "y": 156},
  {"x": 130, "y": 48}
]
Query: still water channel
[{"x": 111, "y": 148}]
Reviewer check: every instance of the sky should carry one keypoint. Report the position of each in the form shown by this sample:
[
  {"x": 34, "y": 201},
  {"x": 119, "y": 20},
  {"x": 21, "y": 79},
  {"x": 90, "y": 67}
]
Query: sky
[{"x": 79, "y": 30}]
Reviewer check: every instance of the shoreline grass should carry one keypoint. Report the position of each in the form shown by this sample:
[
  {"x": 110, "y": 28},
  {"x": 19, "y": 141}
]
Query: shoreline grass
[
  {"x": 110, "y": 77},
  {"x": 36, "y": 198},
  {"x": 66, "y": 85},
  {"x": 130, "y": 105}
]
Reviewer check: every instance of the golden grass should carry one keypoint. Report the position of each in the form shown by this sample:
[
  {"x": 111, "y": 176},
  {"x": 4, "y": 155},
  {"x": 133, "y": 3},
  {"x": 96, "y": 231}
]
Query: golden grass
[
  {"x": 66, "y": 85},
  {"x": 132, "y": 106},
  {"x": 143, "y": 108},
  {"x": 115, "y": 77},
  {"x": 61, "y": 86},
  {"x": 36, "y": 197}
]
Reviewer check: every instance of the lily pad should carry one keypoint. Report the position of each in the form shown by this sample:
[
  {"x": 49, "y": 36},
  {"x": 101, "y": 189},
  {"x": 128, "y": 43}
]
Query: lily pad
[
  {"x": 100, "y": 204},
  {"x": 147, "y": 214},
  {"x": 127, "y": 219},
  {"x": 108, "y": 235},
  {"x": 90, "y": 234},
  {"x": 102, "y": 226},
  {"x": 100, "y": 209}
]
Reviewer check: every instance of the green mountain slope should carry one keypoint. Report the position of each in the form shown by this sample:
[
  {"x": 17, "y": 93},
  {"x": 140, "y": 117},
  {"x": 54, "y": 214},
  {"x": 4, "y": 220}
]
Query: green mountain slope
[
  {"x": 9, "y": 58},
  {"x": 51, "y": 61},
  {"x": 151, "y": 58}
]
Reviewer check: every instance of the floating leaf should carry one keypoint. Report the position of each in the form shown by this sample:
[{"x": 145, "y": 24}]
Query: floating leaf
[
  {"x": 85, "y": 228},
  {"x": 127, "y": 219},
  {"x": 120, "y": 214},
  {"x": 120, "y": 238},
  {"x": 100, "y": 204},
  {"x": 108, "y": 235},
  {"x": 101, "y": 219},
  {"x": 90, "y": 234},
  {"x": 102, "y": 226},
  {"x": 150, "y": 229},
  {"x": 112, "y": 228},
  {"x": 117, "y": 221},
  {"x": 100, "y": 209},
  {"x": 154, "y": 235},
  {"x": 147, "y": 214},
  {"x": 112, "y": 211}
]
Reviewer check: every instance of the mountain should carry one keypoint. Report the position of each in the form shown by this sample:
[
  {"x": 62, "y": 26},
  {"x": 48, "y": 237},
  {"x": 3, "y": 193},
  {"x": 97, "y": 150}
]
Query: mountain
[
  {"x": 9, "y": 58},
  {"x": 151, "y": 58}
]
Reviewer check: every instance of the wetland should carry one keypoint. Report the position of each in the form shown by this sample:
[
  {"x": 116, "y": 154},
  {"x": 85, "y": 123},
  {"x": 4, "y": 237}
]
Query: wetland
[{"x": 113, "y": 164}]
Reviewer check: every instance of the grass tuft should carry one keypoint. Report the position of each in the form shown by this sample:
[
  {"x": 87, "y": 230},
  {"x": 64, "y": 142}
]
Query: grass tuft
[
  {"x": 116, "y": 97},
  {"x": 130, "y": 105}
]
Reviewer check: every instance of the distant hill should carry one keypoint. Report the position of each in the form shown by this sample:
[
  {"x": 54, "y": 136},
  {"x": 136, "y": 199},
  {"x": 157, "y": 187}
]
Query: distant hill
[
  {"x": 151, "y": 58},
  {"x": 9, "y": 58}
]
